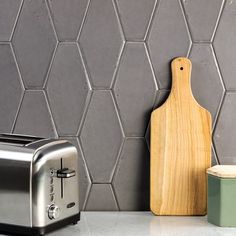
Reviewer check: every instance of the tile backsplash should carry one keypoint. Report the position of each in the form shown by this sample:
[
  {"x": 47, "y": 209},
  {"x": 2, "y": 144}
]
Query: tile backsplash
[{"x": 92, "y": 71}]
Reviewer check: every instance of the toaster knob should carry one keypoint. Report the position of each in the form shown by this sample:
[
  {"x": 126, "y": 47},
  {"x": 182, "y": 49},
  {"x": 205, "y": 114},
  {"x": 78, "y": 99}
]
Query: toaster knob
[{"x": 53, "y": 212}]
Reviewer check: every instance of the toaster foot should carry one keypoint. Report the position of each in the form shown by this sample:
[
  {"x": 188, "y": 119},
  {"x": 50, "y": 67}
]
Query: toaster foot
[{"x": 8, "y": 229}]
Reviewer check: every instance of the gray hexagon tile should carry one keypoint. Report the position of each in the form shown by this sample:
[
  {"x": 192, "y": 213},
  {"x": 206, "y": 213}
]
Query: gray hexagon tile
[
  {"x": 101, "y": 41},
  {"x": 201, "y": 13},
  {"x": 206, "y": 83},
  {"x": 225, "y": 131},
  {"x": 67, "y": 89},
  {"x": 135, "y": 16},
  {"x": 101, "y": 136},
  {"x": 68, "y": 17},
  {"x": 34, "y": 42},
  {"x": 8, "y": 14},
  {"x": 168, "y": 38},
  {"x": 224, "y": 44},
  {"x": 135, "y": 89},
  {"x": 131, "y": 180},
  {"x": 84, "y": 179},
  {"x": 101, "y": 198},
  {"x": 11, "y": 89},
  {"x": 34, "y": 116}
]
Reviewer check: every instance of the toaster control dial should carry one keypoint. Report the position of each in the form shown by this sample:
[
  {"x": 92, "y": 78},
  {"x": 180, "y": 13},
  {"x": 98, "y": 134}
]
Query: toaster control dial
[{"x": 53, "y": 212}]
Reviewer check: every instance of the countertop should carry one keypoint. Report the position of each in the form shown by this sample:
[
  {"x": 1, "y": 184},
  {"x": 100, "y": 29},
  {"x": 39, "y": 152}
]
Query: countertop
[{"x": 141, "y": 224}]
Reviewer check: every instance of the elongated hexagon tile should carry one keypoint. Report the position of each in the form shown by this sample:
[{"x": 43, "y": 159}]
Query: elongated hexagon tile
[
  {"x": 224, "y": 44},
  {"x": 67, "y": 89},
  {"x": 11, "y": 89},
  {"x": 225, "y": 131},
  {"x": 101, "y": 41},
  {"x": 206, "y": 83},
  {"x": 8, "y": 14},
  {"x": 67, "y": 16},
  {"x": 202, "y": 16},
  {"x": 84, "y": 180},
  {"x": 101, "y": 198},
  {"x": 135, "y": 16},
  {"x": 161, "y": 97},
  {"x": 101, "y": 136},
  {"x": 34, "y": 42},
  {"x": 168, "y": 38},
  {"x": 135, "y": 89},
  {"x": 131, "y": 181},
  {"x": 34, "y": 116}
]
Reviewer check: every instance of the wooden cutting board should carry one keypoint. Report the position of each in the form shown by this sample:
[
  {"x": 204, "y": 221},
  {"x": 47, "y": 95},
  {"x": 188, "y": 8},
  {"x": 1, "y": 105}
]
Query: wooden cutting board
[{"x": 180, "y": 149}]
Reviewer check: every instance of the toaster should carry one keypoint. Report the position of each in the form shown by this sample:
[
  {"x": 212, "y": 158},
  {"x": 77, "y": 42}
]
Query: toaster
[{"x": 39, "y": 189}]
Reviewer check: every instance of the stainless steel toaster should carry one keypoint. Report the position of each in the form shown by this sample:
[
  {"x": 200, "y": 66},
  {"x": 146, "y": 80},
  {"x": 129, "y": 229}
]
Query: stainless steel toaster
[{"x": 38, "y": 184}]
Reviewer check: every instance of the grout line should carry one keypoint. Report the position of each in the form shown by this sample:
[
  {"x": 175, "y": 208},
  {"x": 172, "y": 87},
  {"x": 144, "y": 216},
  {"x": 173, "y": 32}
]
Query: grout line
[
  {"x": 50, "y": 113},
  {"x": 45, "y": 83},
  {"x": 118, "y": 113},
  {"x": 120, "y": 58},
  {"x": 84, "y": 20},
  {"x": 114, "y": 170},
  {"x": 214, "y": 150},
  {"x": 218, "y": 20},
  {"x": 87, "y": 173},
  {"x": 16, "y": 20},
  {"x": 158, "y": 83},
  {"x": 150, "y": 20},
  {"x": 85, "y": 161},
  {"x": 51, "y": 19},
  {"x": 121, "y": 47},
  {"x": 18, "y": 111},
  {"x": 17, "y": 67},
  {"x": 153, "y": 15},
  {"x": 114, "y": 196},
  {"x": 186, "y": 22},
  {"x": 88, "y": 95},
  {"x": 121, "y": 27},
  {"x": 152, "y": 70},
  {"x": 222, "y": 84}
]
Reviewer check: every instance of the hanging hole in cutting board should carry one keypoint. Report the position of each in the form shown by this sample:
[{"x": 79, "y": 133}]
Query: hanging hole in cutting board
[{"x": 181, "y": 68}]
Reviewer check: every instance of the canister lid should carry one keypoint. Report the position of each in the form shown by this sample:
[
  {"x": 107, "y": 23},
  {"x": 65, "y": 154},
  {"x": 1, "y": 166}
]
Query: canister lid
[{"x": 223, "y": 171}]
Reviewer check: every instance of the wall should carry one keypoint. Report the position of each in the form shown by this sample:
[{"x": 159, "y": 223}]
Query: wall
[{"x": 92, "y": 71}]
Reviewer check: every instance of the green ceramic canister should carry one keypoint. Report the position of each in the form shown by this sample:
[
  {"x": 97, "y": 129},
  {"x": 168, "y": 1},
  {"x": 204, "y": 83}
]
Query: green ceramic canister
[{"x": 222, "y": 195}]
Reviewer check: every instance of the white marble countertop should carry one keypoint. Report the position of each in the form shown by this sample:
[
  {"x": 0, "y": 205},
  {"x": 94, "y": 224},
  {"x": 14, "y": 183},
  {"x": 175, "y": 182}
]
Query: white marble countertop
[{"x": 141, "y": 224}]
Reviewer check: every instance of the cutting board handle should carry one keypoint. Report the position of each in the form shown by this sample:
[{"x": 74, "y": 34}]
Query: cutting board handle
[{"x": 181, "y": 74}]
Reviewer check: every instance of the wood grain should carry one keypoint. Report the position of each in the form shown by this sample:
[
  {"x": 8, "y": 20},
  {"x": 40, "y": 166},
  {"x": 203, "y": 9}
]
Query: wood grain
[{"x": 180, "y": 149}]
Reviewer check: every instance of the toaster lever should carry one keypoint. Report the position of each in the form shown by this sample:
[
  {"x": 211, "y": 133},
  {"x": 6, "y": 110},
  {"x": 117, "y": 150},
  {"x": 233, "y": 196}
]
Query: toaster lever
[{"x": 65, "y": 173}]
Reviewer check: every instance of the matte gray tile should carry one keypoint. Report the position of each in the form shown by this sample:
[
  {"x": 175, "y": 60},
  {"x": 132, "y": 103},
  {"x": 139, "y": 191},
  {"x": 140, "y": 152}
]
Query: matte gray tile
[
  {"x": 34, "y": 117},
  {"x": 135, "y": 16},
  {"x": 67, "y": 17},
  {"x": 131, "y": 181},
  {"x": 102, "y": 198},
  {"x": 135, "y": 89},
  {"x": 34, "y": 42},
  {"x": 161, "y": 96},
  {"x": 225, "y": 131},
  {"x": 168, "y": 39},
  {"x": 101, "y": 41},
  {"x": 84, "y": 180},
  {"x": 202, "y": 16},
  {"x": 205, "y": 79},
  {"x": 213, "y": 157},
  {"x": 225, "y": 46},
  {"x": 101, "y": 136},
  {"x": 8, "y": 15},
  {"x": 11, "y": 89},
  {"x": 67, "y": 89}
]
